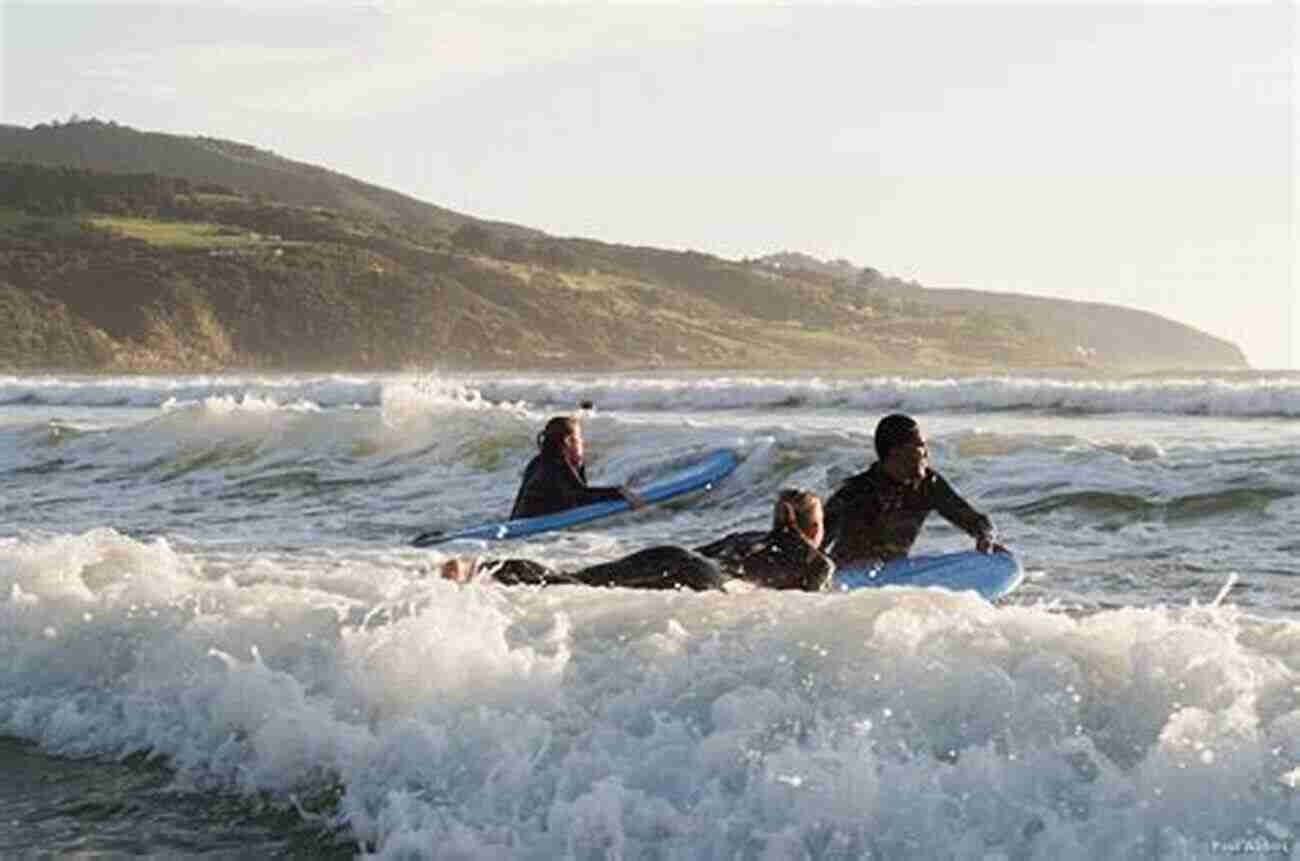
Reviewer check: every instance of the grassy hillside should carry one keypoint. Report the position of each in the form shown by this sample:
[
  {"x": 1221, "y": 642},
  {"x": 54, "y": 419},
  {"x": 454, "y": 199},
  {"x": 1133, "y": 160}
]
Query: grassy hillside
[
  {"x": 111, "y": 148},
  {"x": 188, "y": 253}
]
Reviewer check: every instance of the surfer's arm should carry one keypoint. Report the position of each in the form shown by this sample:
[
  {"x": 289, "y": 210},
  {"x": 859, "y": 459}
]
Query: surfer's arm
[
  {"x": 576, "y": 491},
  {"x": 957, "y": 511},
  {"x": 584, "y": 495},
  {"x": 816, "y": 571}
]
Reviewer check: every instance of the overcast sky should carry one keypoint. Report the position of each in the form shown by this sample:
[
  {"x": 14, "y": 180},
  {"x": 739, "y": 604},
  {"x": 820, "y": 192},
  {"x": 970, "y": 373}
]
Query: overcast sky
[{"x": 1142, "y": 154}]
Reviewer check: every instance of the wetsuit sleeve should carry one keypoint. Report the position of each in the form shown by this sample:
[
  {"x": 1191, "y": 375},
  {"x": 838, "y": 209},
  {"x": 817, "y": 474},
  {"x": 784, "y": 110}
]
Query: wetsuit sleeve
[
  {"x": 589, "y": 495},
  {"x": 813, "y": 569},
  {"x": 584, "y": 494},
  {"x": 957, "y": 510},
  {"x": 817, "y": 571}
]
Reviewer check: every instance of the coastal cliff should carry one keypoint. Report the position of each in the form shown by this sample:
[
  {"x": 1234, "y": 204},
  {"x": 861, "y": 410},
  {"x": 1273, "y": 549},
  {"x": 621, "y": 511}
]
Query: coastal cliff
[{"x": 123, "y": 250}]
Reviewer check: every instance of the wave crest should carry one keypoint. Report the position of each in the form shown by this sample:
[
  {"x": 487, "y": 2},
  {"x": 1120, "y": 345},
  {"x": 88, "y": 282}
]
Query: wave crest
[{"x": 1267, "y": 395}]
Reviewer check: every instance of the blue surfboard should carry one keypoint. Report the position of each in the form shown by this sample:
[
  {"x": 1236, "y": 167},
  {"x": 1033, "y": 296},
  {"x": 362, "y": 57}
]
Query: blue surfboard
[
  {"x": 992, "y": 575},
  {"x": 700, "y": 474}
]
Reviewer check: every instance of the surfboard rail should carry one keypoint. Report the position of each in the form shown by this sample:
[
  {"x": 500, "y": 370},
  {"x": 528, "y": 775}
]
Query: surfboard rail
[{"x": 992, "y": 575}]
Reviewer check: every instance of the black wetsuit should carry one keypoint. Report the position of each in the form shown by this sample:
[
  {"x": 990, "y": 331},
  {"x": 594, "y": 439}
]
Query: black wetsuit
[
  {"x": 663, "y": 567},
  {"x": 873, "y": 517},
  {"x": 551, "y": 485},
  {"x": 779, "y": 559}
]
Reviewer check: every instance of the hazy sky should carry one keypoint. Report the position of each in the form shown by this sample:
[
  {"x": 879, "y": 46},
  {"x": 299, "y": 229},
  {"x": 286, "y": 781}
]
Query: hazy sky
[{"x": 1142, "y": 154}]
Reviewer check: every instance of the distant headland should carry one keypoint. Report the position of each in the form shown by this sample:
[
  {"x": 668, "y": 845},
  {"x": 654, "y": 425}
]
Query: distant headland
[{"x": 123, "y": 250}]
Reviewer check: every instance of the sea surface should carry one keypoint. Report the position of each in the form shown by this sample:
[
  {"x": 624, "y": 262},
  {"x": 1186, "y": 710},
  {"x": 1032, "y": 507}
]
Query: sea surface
[{"x": 215, "y": 641}]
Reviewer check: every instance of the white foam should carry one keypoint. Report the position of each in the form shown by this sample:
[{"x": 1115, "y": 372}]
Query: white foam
[{"x": 488, "y": 722}]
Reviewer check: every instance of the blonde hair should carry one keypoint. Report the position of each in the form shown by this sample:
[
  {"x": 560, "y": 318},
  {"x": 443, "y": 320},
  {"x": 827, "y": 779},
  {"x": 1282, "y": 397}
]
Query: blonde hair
[{"x": 796, "y": 508}]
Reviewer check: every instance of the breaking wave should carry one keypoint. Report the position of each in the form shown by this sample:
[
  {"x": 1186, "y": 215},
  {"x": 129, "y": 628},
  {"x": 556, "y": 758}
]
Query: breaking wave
[{"x": 1275, "y": 395}]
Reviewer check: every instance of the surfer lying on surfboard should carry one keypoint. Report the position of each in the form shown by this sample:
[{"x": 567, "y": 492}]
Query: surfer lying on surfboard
[
  {"x": 785, "y": 557},
  {"x": 875, "y": 516}
]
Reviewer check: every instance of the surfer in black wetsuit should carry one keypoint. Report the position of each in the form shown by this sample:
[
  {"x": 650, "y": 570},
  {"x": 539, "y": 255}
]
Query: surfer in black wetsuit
[
  {"x": 786, "y": 556},
  {"x": 875, "y": 516},
  {"x": 662, "y": 567},
  {"x": 556, "y": 479}
]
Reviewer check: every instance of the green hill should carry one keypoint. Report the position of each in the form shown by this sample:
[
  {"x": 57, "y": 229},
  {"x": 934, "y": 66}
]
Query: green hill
[{"x": 128, "y": 250}]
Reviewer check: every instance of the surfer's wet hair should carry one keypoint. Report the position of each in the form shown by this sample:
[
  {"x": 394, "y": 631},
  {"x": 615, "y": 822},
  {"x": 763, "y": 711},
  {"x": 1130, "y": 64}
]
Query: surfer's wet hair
[
  {"x": 557, "y": 429},
  {"x": 796, "y": 508}
]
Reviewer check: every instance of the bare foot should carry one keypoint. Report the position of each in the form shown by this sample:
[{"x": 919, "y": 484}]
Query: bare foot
[{"x": 459, "y": 570}]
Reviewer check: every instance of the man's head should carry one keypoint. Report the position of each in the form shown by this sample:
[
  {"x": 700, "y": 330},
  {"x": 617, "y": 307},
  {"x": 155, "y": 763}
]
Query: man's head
[{"x": 901, "y": 447}]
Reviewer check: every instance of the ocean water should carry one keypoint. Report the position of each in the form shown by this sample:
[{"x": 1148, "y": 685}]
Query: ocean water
[{"x": 216, "y": 643}]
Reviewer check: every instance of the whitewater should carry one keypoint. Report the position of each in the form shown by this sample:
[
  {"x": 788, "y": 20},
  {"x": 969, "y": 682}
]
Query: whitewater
[{"x": 216, "y": 641}]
